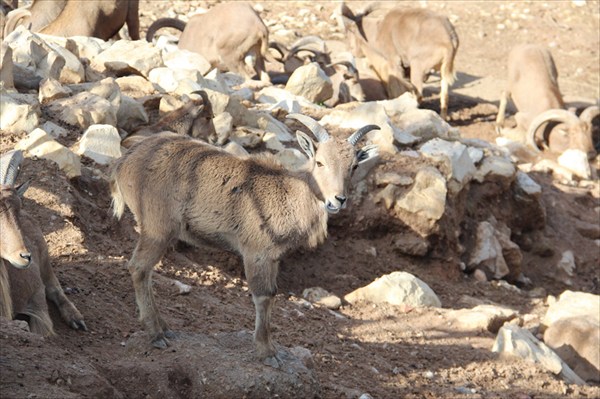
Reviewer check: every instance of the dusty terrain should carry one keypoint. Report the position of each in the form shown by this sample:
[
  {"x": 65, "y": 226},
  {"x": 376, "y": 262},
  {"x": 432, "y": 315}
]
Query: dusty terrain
[{"x": 385, "y": 351}]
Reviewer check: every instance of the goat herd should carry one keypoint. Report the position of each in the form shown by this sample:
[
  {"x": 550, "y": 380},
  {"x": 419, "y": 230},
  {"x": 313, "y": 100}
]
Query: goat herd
[{"x": 181, "y": 188}]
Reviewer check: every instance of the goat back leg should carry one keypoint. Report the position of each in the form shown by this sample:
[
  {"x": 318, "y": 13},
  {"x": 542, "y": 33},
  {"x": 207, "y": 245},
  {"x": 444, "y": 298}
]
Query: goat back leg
[
  {"x": 133, "y": 20},
  {"x": 262, "y": 280},
  {"x": 417, "y": 73},
  {"x": 148, "y": 253},
  {"x": 444, "y": 98},
  {"x": 501, "y": 111},
  {"x": 55, "y": 294},
  {"x": 37, "y": 311}
]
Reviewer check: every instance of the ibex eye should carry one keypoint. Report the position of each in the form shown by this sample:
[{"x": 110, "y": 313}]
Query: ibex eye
[{"x": 319, "y": 164}]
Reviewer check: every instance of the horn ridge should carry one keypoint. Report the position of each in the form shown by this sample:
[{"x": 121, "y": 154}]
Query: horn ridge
[
  {"x": 356, "y": 136},
  {"x": 314, "y": 126}
]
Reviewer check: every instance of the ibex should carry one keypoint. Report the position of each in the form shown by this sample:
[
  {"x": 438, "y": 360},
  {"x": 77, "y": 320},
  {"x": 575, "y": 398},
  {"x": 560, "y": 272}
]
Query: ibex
[
  {"x": 97, "y": 18},
  {"x": 231, "y": 36},
  {"x": 417, "y": 40},
  {"x": 533, "y": 87},
  {"x": 194, "y": 119},
  {"x": 181, "y": 188},
  {"x": 26, "y": 276}
]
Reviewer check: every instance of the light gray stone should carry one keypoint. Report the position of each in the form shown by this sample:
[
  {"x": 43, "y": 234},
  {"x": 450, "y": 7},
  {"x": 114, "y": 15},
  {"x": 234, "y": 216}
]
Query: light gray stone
[
  {"x": 572, "y": 304},
  {"x": 40, "y": 144},
  {"x": 101, "y": 143},
  {"x": 52, "y": 89},
  {"x": 482, "y": 317},
  {"x": 385, "y": 178},
  {"x": 165, "y": 79},
  {"x": 397, "y": 288},
  {"x": 427, "y": 197},
  {"x": 283, "y": 99},
  {"x": 19, "y": 112},
  {"x": 83, "y": 110},
  {"x": 577, "y": 162},
  {"x": 423, "y": 123},
  {"x": 54, "y": 130},
  {"x": 136, "y": 84},
  {"x": 6, "y": 68},
  {"x": 234, "y": 148},
  {"x": 131, "y": 114},
  {"x": 223, "y": 126},
  {"x": 516, "y": 341},
  {"x": 184, "y": 59},
  {"x": 123, "y": 56},
  {"x": 320, "y": 296},
  {"x": 494, "y": 251},
  {"x": 310, "y": 82},
  {"x": 527, "y": 185},
  {"x": 456, "y": 154},
  {"x": 495, "y": 166}
]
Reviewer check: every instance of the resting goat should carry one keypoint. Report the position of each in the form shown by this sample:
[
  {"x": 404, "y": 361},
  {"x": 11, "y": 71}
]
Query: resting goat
[
  {"x": 533, "y": 87},
  {"x": 97, "y": 18},
  {"x": 231, "y": 36},
  {"x": 413, "y": 39},
  {"x": 26, "y": 276},
  {"x": 181, "y": 188},
  {"x": 194, "y": 119}
]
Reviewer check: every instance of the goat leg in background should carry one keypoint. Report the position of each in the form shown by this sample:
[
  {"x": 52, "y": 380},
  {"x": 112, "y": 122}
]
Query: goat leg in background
[{"x": 501, "y": 111}]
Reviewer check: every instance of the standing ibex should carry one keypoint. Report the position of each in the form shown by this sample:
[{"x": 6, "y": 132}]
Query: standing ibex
[
  {"x": 96, "y": 18},
  {"x": 407, "y": 39},
  {"x": 26, "y": 276},
  {"x": 231, "y": 36},
  {"x": 533, "y": 87},
  {"x": 181, "y": 188}
]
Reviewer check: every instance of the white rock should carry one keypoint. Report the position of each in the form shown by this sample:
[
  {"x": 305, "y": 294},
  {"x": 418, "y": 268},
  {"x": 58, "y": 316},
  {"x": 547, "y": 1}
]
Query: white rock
[
  {"x": 124, "y": 55},
  {"x": 164, "y": 78},
  {"x": 137, "y": 84},
  {"x": 223, "y": 126},
  {"x": 280, "y": 98},
  {"x": 131, "y": 114},
  {"x": 234, "y": 148},
  {"x": 494, "y": 250},
  {"x": 528, "y": 185},
  {"x": 476, "y": 154},
  {"x": 397, "y": 288},
  {"x": 427, "y": 197},
  {"x": 310, "y": 82},
  {"x": 517, "y": 341},
  {"x": 54, "y": 130},
  {"x": 482, "y": 317},
  {"x": 84, "y": 109},
  {"x": 423, "y": 123},
  {"x": 269, "y": 124},
  {"x": 272, "y": 143},
  {"x": 455, "y": 153},
  {"x": 52, "y": 89},
  {"x": 572, "y": 304},
  {"x": 495, "y": 166},
  {"x": 577, "y": 162},
  {"x": 6, "y": 67},
  {"x": 187, "y": 86},
  {"x": 399, "y": 105},
  {"x": 385, "y": 178},
  {"x": 19, "y": 112},
  {"x": 40, "y": 144},
  {"x": 185, "y": 59},
  {"x": 101, "y": 143}
]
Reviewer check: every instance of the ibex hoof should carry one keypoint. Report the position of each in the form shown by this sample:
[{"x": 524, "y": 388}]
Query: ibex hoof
[
  {"x": 78, "y": 325},
  {"x": 170, "y": 334},
  {"x": 277, "y": 360},
  {"x": 160, "y": 343}
]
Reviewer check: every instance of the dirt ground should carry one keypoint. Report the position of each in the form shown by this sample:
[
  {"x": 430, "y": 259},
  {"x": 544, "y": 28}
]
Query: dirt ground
[{"x": 383, "y": 350}]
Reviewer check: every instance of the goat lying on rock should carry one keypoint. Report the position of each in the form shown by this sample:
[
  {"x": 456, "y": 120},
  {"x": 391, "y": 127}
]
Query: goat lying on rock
[
  {"x": 231, "y": 36},
  {"x": 96, "y": 18},
  {"x": 26, "y": 276},
  {"x": 533, "y": 87},
  {"x": 413, "y": 39},
  {"x": 181, "y": 188},
  {"x": 194, "y": 119}
]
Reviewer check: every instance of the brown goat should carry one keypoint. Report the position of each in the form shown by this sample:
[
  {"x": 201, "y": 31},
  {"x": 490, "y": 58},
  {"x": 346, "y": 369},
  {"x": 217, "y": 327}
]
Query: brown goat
[
  {"x": 97, "y": 18},
  {"x": 26, "y": 276},
  {"x": 413, "y": 39},
  {"x": 181, "y": 188},
  {"x": 533, "y": 87},
  {"x": 231, "y": 36},
  {"x": 194, "y": 119}
]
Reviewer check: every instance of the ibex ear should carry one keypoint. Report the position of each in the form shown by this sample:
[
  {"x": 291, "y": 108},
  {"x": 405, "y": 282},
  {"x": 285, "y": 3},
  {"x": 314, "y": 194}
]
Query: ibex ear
[
  {"x": 306, "y": 143},
  {"x": 367, "y": 152},
  {"x": 21, "y": 188}
]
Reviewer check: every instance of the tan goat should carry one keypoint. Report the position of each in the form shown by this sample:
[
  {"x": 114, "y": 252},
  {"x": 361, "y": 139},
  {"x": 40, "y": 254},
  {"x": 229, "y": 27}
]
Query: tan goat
[
  {"x": 418, "y": 40},
  {"x": 26, "y": 276},
  {"x": 194, "y": 119},
  {"x": 181, "y": 188},
  {"x": 231, "y": 36},
  {"x": 533, "y": 87},
  {"x": 97, "y": 18}
]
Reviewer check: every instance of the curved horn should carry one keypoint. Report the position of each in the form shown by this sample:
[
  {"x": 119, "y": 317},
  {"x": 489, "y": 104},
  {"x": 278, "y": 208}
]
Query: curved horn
[
  {"x": 9, "y": 166},
  {"x": 588, "y": 114},
  {"x": 356, "y": 136},
  {"x": 205, "y": 99},
  {"x": 303, "y": 41},
  {"x": 560, "y": 115},
  {"x": 14, "y": 18},
  {"x": 314, "y": 126},
  {"x": 280, "y": 48}
]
